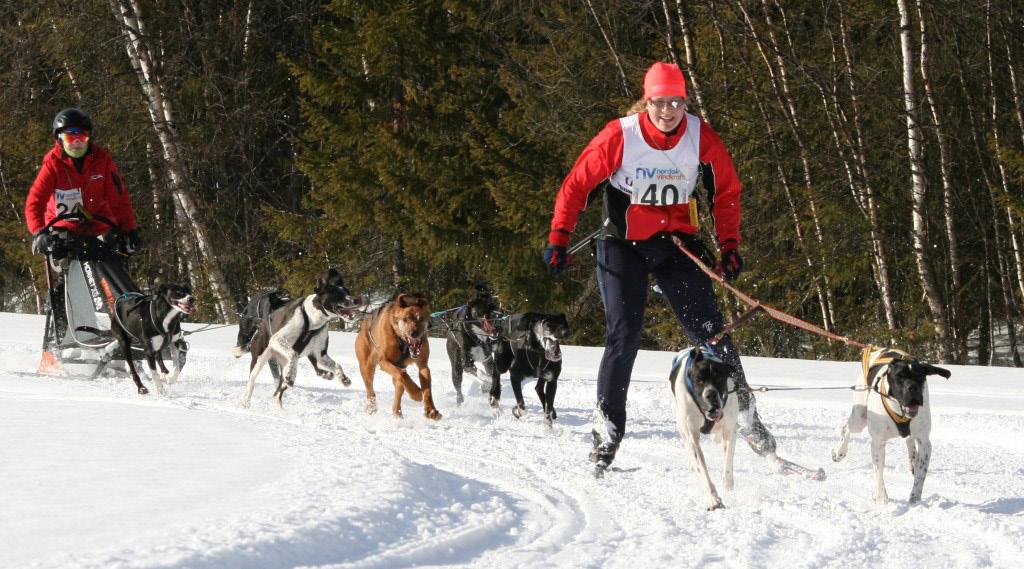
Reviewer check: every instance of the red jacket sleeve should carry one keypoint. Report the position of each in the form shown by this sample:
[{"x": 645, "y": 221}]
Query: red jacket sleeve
[
  {"x": 722, "y": 183},
  {"x": 39, "y": 195},
  {"x": 601, "y": 157},
  {"x": 119, "y": 200}
]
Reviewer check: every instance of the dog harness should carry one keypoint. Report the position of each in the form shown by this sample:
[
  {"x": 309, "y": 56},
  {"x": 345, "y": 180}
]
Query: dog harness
[
  {"x": 873, "y": 362},
  {"x": 686, "y": 361}
]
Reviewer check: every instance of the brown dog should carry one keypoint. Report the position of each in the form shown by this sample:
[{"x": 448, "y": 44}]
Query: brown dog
[{"x": 393, "y": 337}]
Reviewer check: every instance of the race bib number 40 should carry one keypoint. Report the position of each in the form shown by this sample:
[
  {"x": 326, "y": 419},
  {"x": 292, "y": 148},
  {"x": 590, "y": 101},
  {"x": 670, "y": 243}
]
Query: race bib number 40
[
  {"x": 68, "y": 201},
  {"x": 661, "y": 186}
]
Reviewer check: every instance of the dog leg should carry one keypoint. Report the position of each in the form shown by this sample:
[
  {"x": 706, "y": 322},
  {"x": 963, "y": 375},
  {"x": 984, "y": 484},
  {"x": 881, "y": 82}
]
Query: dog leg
[
  {"x": 429, "y": 411},
  {"x": 692, "y": 438},
  {"x": 287, "y": 379},
  {"x": 924, "y": 455},
  {"x": 546, "y": 388},
  {"x": 878, "y": 461},
  {"x": 367, "y": 370},
  {"x": 855, "y": 423},
  {"x": 399, "y": 374},
  {"x": 516, "y": 379},
  {"x": 396, "y": 405},
  {"x": 327, "y": 368},
  {"x": 255, "y": 367},
  {"x": 135, "y": 374},
  {"x": 151, "y": 361},
  {"x": 457, "y": 378},
  {"x": 729, "y": 443}
]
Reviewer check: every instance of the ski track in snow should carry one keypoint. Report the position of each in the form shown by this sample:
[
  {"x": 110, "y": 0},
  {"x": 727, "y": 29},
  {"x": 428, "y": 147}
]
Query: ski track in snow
[{"x": 334, "y": 487}]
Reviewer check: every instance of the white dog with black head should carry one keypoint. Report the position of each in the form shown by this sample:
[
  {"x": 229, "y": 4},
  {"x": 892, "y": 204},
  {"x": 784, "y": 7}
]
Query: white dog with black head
[
  {"x": 701, "y": 384},
  {"x": 892, "y": 402}
]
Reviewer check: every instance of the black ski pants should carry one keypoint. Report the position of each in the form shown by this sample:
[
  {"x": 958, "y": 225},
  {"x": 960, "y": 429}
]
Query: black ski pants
[{"x": 623, "y": 269}]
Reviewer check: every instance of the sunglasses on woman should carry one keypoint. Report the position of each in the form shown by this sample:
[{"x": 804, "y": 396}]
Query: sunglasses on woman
[{"x": 674, "y": 104}]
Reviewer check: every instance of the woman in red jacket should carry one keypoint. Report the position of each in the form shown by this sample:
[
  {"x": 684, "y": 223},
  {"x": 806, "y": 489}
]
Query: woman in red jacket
[
  {"x": 78, "y": 176},
  {"x": 647, "y": 165}
]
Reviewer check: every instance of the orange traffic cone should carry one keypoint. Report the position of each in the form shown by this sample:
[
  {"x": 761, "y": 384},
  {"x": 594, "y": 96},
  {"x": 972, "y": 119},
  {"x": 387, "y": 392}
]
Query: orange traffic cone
[{"x": 50, "y": 365}]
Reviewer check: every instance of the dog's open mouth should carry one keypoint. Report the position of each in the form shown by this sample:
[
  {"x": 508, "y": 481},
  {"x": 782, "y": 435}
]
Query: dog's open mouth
[
  {"x": 185, "y": 305},
  {"x": 415, "y": 346},
  {"x": 912, "y": 410},
  {"x": 488, "y": 327},
  {"x": 346, "y": 310},
  {"x": 715, "y": 415},
  {"x": 552, "y": 351}
]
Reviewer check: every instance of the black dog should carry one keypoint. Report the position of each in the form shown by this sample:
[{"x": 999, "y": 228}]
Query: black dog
[
  {"x": 472, "y": 337},
  {"x": 154, "y": 322},
  {"x": 258, "y": 309},
  {"x": 531, "y": 349},
  {"x": 299, "y": 329}
]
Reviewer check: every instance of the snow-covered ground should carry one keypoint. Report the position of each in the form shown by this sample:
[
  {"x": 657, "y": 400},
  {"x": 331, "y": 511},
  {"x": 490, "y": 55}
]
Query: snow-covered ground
[{"x": 94, "y": 475}]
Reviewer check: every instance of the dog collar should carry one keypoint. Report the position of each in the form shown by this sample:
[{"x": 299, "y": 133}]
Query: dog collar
[{"x": 873, "y": 361}]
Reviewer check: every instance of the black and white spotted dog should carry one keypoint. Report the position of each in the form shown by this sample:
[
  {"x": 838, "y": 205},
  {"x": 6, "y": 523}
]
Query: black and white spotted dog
[
  {"x": 531, "y": 347},
  {"x": 893, "y": 402},
  {"x": 471, "y": 339},
  {"x": 701, "y": 384},
  {"x": 154, "y": 322},
  {"x": 299, "y": 329},
  {"x": 259, "y": 308}
]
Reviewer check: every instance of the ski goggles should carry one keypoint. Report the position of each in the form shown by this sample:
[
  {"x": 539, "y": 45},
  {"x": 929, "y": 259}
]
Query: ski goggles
[{"x": 71, "y": 135}]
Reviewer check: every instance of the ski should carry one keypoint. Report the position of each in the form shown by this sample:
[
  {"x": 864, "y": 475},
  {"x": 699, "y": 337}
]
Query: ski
[{"x": 790, "y": 467}]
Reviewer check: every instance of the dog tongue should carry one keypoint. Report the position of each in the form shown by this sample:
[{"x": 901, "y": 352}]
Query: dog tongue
[
  {"x": 487, "y": 326},
  {"x": 912, "y": 410},
  {"x": 414, "y": 347}
]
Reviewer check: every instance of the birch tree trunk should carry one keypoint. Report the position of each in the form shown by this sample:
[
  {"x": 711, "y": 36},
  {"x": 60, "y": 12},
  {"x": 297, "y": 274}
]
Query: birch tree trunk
[
  {"x": 611, "y": 48},
  {"x": 781, "y": 87},
  {"x": 866, "y": 195},
  {"x": 945, "y": 169},
  {"x": 670, "y": 41},
  {"x": 143, "y": 61},
  {"x": 691, "y": 62},
  {"x": 919, "y": 191},
  {"x": 1008, "y": 299}
]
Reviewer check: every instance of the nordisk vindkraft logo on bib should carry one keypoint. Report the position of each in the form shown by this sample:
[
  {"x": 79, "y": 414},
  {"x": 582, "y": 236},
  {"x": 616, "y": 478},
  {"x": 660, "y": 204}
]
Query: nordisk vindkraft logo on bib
[{"x": 659, "y": 174}]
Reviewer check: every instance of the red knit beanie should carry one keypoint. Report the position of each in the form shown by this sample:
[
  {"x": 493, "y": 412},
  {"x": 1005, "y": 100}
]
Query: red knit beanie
[{"x": 664, "y": 80}]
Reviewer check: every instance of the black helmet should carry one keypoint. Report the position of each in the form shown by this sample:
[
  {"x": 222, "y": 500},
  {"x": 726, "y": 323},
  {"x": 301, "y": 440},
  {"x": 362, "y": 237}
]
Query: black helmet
[{"x": 71, "y": 118}]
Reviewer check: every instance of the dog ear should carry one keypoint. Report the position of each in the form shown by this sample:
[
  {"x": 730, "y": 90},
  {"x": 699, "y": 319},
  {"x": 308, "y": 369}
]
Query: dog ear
[{"x": 935, "y": 370}]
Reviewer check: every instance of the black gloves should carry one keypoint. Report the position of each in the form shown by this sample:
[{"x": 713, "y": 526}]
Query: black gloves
[
  {"x": 132, "y": 242},
  {"x": 42, "y": 242},
  {"x": 731, "y": 264}
]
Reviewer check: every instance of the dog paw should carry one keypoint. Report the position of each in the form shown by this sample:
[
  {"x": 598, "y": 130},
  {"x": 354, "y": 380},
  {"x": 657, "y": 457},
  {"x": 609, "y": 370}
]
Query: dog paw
[
  {"x": 371, "y": 407},
  {"x": 715, "y": 504},
  {"x": 838, "y": 455},
  {"x": 459, "y": 399},
  {"x": 143, "y": 390},
  {"x": 345, "y": 380},
  {"x": 328, "y": 375},
  {"x": 519, "y": 411},
  {"x": 432, "y": 414}
]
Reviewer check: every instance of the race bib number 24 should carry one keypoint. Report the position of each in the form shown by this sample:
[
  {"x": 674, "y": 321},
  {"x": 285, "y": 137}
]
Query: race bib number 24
[{"x": 68, "y": 201}]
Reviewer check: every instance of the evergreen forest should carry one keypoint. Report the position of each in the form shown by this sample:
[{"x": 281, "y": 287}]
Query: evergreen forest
[{"x": 419, "y": 145}]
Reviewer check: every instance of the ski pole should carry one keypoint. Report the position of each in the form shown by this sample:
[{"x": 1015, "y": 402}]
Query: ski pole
[{"x": 585, "y": 241}]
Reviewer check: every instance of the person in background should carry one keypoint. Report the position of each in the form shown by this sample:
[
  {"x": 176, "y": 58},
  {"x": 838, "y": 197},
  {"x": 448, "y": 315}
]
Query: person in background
[{"x": 647, "y": 165}]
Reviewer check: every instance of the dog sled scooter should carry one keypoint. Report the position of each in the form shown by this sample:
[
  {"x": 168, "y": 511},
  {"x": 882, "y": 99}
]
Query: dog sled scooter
[{"x": 84, "y": 276}]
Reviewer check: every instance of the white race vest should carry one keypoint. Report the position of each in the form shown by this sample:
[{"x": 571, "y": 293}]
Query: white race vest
[{"x": 658, "y": 177}]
